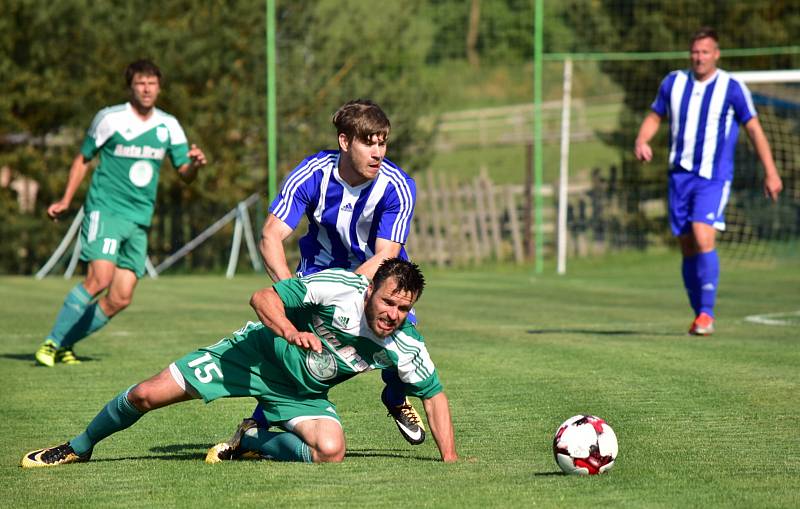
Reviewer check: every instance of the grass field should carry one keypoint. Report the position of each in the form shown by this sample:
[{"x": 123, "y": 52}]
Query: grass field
[{"x": 702, "y": 422}]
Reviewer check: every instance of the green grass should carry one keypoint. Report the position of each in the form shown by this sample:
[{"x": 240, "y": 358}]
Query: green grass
[{"x": 702, "y": 422}]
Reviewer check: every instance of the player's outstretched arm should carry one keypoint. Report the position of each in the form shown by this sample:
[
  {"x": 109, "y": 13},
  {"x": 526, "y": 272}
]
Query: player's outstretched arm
[
  {"x": 772, "y": 180},
  {"x": 270, "y": 310},
  {"x": 437, "y": 409},
  {"x": 77, "y": 171},
  {"x": 384, "y": 249},
  {"x": 197, "y": 159},
  {"x": 273, "y": 234},
  {"x": 647, "y": 130}
]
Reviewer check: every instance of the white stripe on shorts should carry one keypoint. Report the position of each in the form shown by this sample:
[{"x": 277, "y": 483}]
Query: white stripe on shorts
[
  {"x": 94, "y": 223},
  {"x": 291, "y": 423},
  {"x": 178, "y": 377}
]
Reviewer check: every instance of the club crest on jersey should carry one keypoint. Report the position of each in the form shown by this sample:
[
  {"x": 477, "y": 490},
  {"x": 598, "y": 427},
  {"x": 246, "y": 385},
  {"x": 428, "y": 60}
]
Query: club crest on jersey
[
  {"x": 322, "y": 366},
  {"x": 141, "y": 173},
  {"x": 162, "y": 134},
  {"x": 381, "y": 359}
]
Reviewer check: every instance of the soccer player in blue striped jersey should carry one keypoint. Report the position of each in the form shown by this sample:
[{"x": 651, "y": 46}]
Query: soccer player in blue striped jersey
[
  {"x": 705, "y": 106},
  {"x": 359, "y": 207}
]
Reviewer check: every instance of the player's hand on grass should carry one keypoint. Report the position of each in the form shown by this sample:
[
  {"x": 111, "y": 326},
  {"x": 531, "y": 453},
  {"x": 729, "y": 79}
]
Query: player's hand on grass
[
  {"x": 306, "y": 341},
  {"x": 197, "y": 156},
  {"x": 57, "y": 208},
  {"x": 772, "y": 186}
]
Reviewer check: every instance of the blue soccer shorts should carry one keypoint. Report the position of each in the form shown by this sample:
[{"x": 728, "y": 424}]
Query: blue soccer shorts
[{"x": 694, "y": 199}]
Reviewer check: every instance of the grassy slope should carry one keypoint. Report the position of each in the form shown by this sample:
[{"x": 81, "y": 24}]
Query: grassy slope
[{"x": 701, "y": 422}]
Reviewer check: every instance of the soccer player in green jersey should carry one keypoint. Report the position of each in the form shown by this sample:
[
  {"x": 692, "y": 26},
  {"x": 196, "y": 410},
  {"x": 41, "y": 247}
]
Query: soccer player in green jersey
[
  {"x": 132, "y": 140},
  {"x": 314, "y": 333}
]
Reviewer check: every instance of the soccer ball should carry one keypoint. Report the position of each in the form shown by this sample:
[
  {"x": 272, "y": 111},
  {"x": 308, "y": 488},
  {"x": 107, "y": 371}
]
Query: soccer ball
[{"x": 585, "y": 445}]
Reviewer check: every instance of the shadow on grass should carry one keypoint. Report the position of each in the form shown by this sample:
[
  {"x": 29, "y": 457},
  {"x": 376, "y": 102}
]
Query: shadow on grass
[
  {"x": 28, "y": 357},
  {"x": 195, "y": 452},
  {"x": 176, "y": 452},
  {"x": 386, "y": 453},
  {"x": 554, "y": 473},
  {"x": 595, "y": 332}
]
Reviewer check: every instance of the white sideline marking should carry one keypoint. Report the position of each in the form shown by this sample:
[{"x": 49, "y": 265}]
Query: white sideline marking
[{"x": 774, "y": 318}]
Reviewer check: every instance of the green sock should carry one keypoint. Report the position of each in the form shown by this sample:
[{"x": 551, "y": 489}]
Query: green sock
[
  {"x": 71, "y": 312},
  {"x": 92, "y": 320},
  {"x": 280, "y": 446},
  {"x": 117, "y": 415}
]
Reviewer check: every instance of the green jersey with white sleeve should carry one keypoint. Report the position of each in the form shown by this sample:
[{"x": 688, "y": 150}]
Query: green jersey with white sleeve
[
  {"x": 331, "y": 304},
  {"x": 131, "y": 152}
]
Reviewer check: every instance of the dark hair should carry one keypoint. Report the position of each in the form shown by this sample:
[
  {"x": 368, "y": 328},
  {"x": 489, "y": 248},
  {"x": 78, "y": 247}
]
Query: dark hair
[
  {"x": 141, "y": 66},
  {"x": 361, "y": 119},
  {"x": 407, "y": 275},
  {"x": 704, "y": 33}
]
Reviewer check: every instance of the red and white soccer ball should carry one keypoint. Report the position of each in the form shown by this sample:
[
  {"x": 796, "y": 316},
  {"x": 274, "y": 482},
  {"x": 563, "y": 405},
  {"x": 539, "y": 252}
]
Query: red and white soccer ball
[{"x": 585, "y": 445}]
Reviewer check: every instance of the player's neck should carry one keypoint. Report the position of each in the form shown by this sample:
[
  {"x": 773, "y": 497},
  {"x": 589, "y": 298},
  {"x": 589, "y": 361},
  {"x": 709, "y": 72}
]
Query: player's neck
[
  {"x": 349, "y": 174},
  {"x": 142, "y": 112},
  {"x": 705, "y": 77}
]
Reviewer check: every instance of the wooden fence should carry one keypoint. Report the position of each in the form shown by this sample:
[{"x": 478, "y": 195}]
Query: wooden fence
[
  {"x": 464, "y": 223},
  {"x": 468, "y": 222}
]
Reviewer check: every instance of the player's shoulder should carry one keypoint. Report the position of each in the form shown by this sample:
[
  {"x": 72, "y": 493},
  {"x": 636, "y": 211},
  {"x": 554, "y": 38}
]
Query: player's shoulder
[
  {"x": 110, "y": 112},
  {"x": 338, "y": 276},
  {"x": 309, "y": 173},
  {"x": 107, "y": 117},
  {"x": 167, "y": 118},
  {"x": 394, "y": 169},
  {"x": 395, "y": 174},
  {"x": 314, "y": 165},
  {"x": 408, "y": 334},
  {"x": 164, "y": 115},
  {"x": 113, "y": 109},
  {"x": 670, "y": 78},
  {"x": 320, "y": 159},
  {"x": 732, "y": 79}
]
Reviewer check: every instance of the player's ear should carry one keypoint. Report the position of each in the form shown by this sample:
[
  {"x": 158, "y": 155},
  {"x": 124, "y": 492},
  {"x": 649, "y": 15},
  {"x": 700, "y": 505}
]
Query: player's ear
[{"x": 344, "y": 143}]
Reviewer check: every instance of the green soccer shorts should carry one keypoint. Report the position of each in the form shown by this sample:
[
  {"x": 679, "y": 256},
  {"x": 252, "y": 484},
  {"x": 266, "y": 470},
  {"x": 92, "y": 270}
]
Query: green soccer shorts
[
  {"x": 242, "y": 366},
  {"x": 107, "y": 237}
]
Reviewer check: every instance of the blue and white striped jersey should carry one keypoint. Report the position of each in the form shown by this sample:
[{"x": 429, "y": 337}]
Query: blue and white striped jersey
[
  {"x": 344, "y": 221},
  {"x": 704, "y": 120}
]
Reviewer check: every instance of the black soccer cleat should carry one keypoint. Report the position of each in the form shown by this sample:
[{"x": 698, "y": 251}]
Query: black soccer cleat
[
  {"x": 408, "y": 422},
  {"x": 231, "y": 449},
  {"x": 53, "y": 456}
]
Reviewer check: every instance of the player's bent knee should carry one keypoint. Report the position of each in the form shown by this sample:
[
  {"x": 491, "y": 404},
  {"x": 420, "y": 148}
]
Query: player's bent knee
[
  {"x": 146, "y": 397},
  {"x": 96, "y": 285},
  {"x": 139, "y": 397},
  {"x": 329, "y": 450},
  {"x": 117, "y": 304}
]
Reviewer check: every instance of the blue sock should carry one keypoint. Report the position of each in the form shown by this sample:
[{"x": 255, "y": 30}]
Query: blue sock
[
  {"x": 708, "y": 280},
  {"x": 690, "y": 282},
  {"x": 280, "y": 446},
  {"x": 117, "y": 415},
  {"x": 258, "y": 416},
  {"x": 74, "y": 306},
  {"x": 393, "y": 394},
  {"x": 92, "y": 320}
]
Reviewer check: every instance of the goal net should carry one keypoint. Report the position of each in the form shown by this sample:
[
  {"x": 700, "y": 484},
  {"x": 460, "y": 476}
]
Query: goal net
[{"x": 756, "y": 227}]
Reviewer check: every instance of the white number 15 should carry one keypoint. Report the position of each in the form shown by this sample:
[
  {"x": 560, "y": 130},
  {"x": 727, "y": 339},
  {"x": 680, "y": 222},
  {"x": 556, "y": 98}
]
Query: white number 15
[{"x": 205, "y": 374}]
